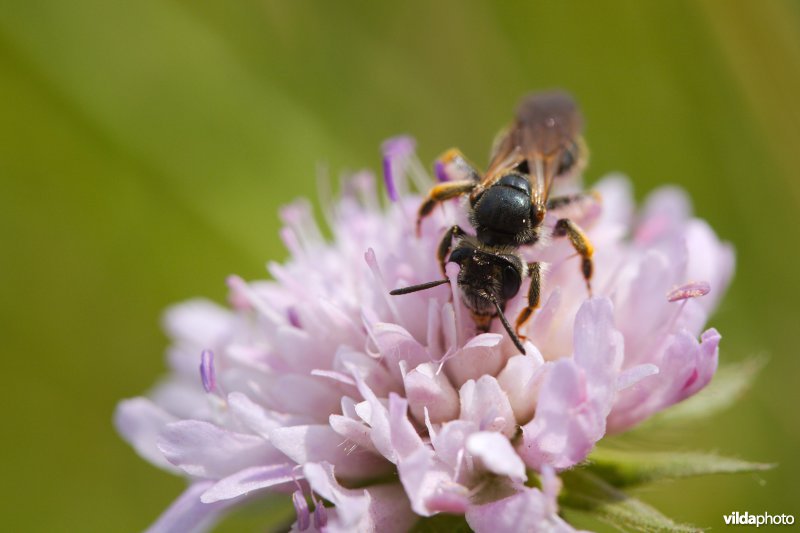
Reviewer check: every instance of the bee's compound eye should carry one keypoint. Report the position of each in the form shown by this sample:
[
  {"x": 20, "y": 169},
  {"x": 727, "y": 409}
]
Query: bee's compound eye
[
  {"x": 511, "y": 282},
  {"x": 567, "y": 161},
  {"x": 459, "y": 255}
]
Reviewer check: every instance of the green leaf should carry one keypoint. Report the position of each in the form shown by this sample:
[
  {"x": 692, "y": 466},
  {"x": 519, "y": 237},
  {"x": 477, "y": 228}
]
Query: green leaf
[
  {"x": 626, "y": 468},
  {"x": 589, "y": 494},
  {"x": 729, "y": 384}
]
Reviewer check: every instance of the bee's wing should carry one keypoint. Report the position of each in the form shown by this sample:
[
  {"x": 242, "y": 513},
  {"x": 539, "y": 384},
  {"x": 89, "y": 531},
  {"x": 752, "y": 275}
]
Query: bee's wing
[
  {"x": 506, "y": 154},
  {"x": 541, "y": 167},
  {"x": 498, "y": 143},
  {"x": 514, "y": 146}
]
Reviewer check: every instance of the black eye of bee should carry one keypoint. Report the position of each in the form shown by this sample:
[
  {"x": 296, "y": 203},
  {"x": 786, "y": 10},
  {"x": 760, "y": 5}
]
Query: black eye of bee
[
  {"x": 567, "y": 161},
  {"x": 511, "y": 282},
  {"x": 460, "y": 255}
]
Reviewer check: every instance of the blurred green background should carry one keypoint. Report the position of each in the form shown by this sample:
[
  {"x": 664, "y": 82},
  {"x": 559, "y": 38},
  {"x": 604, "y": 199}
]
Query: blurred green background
[{"x": 146, "y": 146}]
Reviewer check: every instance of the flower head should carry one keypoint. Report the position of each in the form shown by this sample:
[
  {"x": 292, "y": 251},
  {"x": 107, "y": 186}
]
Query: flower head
[{"x": 319, "y": 381}]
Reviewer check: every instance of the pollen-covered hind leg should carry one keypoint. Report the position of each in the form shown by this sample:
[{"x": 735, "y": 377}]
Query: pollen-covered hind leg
[
  {"x": 534, "y": 294},
  {"x": 441, "y": 193},
  {"x": 581, "y": 244},
  {"x": 457, "y": 175},
  {"x": 453, "y": 165}
]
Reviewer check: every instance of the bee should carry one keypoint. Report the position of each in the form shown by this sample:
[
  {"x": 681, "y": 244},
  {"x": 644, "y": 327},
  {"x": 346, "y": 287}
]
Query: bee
[{"x": 507, "y": 207}]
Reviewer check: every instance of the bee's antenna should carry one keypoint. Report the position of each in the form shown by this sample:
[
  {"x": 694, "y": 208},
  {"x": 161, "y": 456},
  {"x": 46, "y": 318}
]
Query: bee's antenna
[
  {"x": 507, "y": 326},
  {"x": 420, "y": 287}
]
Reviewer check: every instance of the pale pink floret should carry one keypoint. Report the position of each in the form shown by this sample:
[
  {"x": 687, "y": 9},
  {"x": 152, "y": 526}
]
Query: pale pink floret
[
  {"x": 577, "y": 394},
  {"x": 527, "y": 510},
  {"x": 319, "y": 380}
]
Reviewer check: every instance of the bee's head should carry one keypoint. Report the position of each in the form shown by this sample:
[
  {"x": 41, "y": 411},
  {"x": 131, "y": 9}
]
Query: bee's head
[{"x": 487, "y": 277}]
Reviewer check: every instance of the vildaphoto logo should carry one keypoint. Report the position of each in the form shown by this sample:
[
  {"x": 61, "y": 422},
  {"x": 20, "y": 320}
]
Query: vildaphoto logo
[{"x": 763, "y": 519}]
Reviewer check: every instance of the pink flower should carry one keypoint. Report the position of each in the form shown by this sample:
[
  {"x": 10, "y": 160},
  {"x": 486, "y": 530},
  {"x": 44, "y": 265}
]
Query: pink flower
[{"x": 319, "y": 381}]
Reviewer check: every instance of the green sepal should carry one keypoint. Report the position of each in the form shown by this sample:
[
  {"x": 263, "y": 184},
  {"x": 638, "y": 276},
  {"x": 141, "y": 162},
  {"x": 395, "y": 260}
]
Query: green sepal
[
  {"x": 631, "y": 468},
  {"x": 588, "y": 494}
]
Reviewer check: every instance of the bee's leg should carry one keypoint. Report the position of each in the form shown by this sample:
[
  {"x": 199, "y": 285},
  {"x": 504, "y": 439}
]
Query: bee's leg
[
  {"x": 559, "y": 202},
  {"x": 440, "y": 193},
  {"x": 457, "y": 176},
  {"x": 534, "y": 293},
  {"x": 454, "y": 166},
  {"x": 581, "y": 244},
  {"x": 446, "y": 245}
]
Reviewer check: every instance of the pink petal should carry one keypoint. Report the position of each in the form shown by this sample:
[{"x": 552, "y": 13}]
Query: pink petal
[
  {"x": 450, "y": 499},
  {"x": 378, "y": 419},
  {"x": 296, "y": 350},
  {"x": 204, "y": 450},
  {"x": 256, "y": 418},
  {"x": 354, "y": 431},
  {"x": 635, "y": 374},
  {"x": 706, "y": 362},
  {"x": 396, "y": 344},
  {"x": 479, "y": 356},
  {"x": 351, "y": 505},
  {"x": 320, "y": 443},
  {"x": 188, "y": 513},
  {"x": 449, "y": 326},
  {"x": 199, "y": 321},
  {"x": 678, "y": 369},
  {"x": 521, "y": 379},
  {"x": 374, "y": 374},
  {"x": 388, "y": 511},
  {"x": 565, "y": 426},
  {"x": 640, "y": 309},
  {"x": 526, "y": 510},
  {"x": 248, "y": 480},
  {"x": 485, "y": 403},
  {"x": 140, "y": 421},
  {"x": 598, "y": 351},
  {"x": 496, "y": 454},
  {"x": 617, "y": 200},
  {"x": 183, "y": 399},
  {"x": 665, "y": 213},
  {"x": 427, "y": 388},
  {"x": 686, "y": 366},
  {"x": 434, "y": 330},
  {"x": 709, "y": 260},
  {"x": 541, "y": 327},
  {"x": 450, "y": 441},
  {"x": 430, "y": 486},
  {"x": 551, "y": 487},
  {"x": 293, "y": 393},
  {"x": 405, "y": 439}
]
